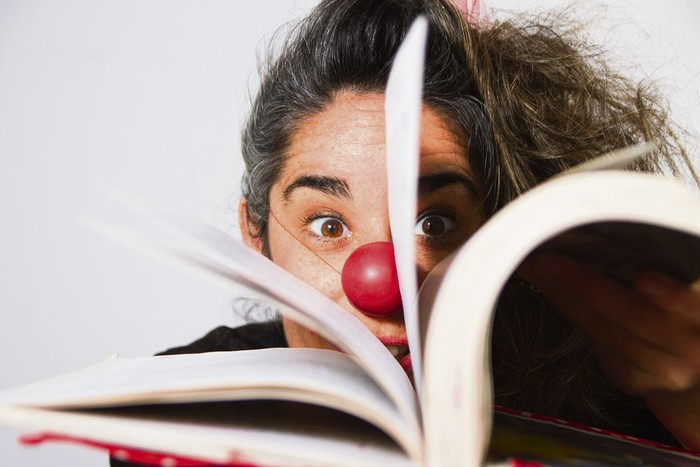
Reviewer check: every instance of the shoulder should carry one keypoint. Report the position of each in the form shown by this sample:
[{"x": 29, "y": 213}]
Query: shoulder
[{"x": 246, "y": 337}]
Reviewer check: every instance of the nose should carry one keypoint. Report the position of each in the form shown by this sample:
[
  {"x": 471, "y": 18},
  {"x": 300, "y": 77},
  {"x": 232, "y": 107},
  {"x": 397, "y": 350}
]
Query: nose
[{"x": 370, "y": 280}]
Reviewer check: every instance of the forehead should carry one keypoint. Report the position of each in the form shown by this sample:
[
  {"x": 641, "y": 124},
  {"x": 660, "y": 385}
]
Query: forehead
[
  {"x": 347, "y": 132},
  {"x": 349, "y": 135}
]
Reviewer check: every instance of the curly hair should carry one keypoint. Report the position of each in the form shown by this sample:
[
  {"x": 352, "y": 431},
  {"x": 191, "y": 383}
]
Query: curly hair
[{"x": 553, "y": 102}]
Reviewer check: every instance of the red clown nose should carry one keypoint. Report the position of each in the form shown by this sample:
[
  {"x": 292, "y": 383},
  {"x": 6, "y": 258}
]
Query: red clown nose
[{"x": 370, "y": 280}]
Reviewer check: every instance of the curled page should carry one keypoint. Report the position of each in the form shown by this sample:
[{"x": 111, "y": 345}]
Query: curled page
[
  {"x": 312, "y": 376},
  {"x": 404, "y": 94}
]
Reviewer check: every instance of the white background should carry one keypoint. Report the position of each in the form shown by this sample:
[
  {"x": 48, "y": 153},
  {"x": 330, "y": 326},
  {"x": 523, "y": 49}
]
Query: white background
[{"x": 148, "y": 96}]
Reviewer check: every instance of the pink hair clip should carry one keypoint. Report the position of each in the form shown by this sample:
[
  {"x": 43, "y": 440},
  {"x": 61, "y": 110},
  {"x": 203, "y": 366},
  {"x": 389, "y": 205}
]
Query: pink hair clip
[{"x": 472, "y": 10}]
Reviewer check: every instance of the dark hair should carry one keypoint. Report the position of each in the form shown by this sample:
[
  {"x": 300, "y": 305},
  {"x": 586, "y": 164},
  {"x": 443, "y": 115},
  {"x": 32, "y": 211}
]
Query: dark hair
[{"x": 528, "y": 97}]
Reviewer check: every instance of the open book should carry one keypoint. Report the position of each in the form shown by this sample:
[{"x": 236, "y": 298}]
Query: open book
[{"x": 294, "y": 407}]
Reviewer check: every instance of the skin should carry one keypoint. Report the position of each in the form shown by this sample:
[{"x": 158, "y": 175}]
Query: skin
[{"x": 331, "y": 198}]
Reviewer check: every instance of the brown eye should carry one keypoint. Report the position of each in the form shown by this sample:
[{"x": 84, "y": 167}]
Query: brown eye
[
  {"x": 329, "y": 227},
  {"x": 332, "y": 228},
  {"x": 433, "y": 225}
]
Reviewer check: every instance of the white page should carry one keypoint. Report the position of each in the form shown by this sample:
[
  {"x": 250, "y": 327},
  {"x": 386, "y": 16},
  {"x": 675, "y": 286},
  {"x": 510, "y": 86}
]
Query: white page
[
  {"x": 404, "y": 101},
  {"x": 314, "y": 376},
  {"x": 615, "y": 160}
]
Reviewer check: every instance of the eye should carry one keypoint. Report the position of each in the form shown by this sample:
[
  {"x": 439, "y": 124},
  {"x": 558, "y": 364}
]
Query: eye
[
  {"x": 433, "y": 225},
  {"x": 329, "y": 227}
]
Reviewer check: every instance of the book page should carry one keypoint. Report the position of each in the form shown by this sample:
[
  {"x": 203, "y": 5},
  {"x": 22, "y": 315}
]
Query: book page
[
  {"x": 404, "y": 102},
  {"x": 457, "y": 379},
  {"x": 239, "y": 433},
  {"x": 313, "y": 376},
  {"x": 615, "y": 160}
]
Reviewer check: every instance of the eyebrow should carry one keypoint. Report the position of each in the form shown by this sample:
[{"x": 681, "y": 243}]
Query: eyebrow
[
  {"x": 431, "y": 183},
  {"x": 329, "y": 185}
]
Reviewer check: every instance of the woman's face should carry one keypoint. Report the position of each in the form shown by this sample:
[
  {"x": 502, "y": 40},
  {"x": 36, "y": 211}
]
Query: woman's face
[{"x": 331, "y": 198}]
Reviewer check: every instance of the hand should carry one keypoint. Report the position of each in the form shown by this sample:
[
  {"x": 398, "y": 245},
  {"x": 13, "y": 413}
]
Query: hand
[{"x": 647, "y": 338}]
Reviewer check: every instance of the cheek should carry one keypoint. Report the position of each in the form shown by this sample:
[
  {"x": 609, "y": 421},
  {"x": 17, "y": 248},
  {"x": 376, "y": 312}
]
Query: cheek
[
  {"x": 426, "y": 260},
  {"x": 305, "y": 265}
]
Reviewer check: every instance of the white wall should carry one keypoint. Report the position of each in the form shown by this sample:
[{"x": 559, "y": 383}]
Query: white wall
[{"x": 148, "y": 96}]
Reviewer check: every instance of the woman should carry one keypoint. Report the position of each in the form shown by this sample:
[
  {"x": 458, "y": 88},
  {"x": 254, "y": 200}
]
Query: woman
[{"x": 506, "y": 106}]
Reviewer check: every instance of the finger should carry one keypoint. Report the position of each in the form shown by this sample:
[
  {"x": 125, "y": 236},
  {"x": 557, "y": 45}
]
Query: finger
[
  {"x": 640, "y": 369},
  {"x": 593, "y": 301},
  {"x": 633, "y": 378},
  {"x": 669, "y": 294}
]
